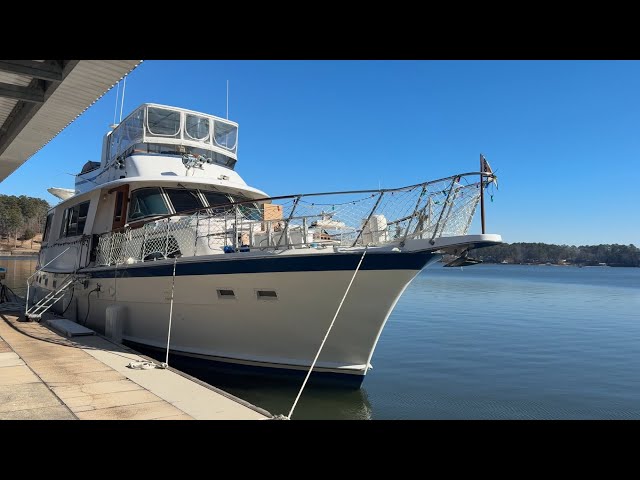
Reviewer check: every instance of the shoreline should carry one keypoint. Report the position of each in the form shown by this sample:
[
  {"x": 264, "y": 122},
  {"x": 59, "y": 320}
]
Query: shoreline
[
  {"x": 25, "y": 255},
  {"x": 557, "y": 264}
]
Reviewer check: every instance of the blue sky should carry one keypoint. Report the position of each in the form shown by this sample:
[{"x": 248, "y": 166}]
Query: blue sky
[{"x": 561, "y": 135}]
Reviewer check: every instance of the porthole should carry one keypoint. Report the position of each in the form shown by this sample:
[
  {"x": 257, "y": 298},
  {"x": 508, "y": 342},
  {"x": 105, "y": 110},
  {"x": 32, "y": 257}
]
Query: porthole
[{"x": 267, "y": 294}]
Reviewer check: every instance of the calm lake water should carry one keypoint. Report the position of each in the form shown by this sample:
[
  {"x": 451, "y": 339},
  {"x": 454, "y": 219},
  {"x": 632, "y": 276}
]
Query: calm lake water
[{"x": 483, "y": 342}]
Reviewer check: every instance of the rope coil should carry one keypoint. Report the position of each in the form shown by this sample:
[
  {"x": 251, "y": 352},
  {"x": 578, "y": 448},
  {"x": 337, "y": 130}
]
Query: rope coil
[{"x": 145, "y": 365}]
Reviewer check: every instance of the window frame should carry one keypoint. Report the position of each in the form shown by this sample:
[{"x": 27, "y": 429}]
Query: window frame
[
  {"x": 214, "y": 137},
  {"x": 188, "y": 136},
  {"x": 152, "y": 134},
  {"x": 196, "y": 191},
  {"x": 46, "y": 233},
  {"x": 164, "y": 197},
  {"x": 201, "y": 195},
  {"x": 68, "y": 215}
]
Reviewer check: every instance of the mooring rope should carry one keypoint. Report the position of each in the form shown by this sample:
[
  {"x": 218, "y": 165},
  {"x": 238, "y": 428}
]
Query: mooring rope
[
  {"x": 173, "y": 283},
  {"x": 327, "y": 334}
]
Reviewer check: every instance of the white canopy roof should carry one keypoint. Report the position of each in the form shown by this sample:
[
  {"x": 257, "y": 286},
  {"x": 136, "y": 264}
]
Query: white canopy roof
[{"x": 39, "y": 98}]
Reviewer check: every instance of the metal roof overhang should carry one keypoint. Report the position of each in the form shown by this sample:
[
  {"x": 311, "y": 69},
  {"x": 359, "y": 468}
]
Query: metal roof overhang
[{"x": 40, "y": 98}]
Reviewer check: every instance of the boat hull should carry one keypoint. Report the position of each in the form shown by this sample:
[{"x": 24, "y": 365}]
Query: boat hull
[{"x": 269, "y": 334}]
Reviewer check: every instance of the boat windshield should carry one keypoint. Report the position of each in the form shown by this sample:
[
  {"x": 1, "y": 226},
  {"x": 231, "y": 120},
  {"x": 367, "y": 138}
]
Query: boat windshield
[
  {"x": 146, "y": 202},
  {"x": 215, "y": 198},
  {"x": 152, "y": 201},
  {"x": 250, "y": 211},
  {"x": 184, "y": 199}
]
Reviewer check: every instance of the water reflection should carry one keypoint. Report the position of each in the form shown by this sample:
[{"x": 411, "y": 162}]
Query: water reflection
[{"x": 319, "y": 401}]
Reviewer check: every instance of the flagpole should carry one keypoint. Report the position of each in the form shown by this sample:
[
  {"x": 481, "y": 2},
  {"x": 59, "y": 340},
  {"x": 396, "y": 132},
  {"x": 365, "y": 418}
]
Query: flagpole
[{"x": 482, "y": 192}]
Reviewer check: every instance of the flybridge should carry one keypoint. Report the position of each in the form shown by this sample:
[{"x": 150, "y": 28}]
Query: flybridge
[
  {"x": 163, "y": 141},
  {"x": 164, "y": 130}
]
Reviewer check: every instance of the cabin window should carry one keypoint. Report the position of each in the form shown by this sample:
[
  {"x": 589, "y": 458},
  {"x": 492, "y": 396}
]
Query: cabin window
[
  {"x": 74, "y": 220},
  {"x": 223, "y": 160},
  {"x": 214, "y": 198},
  {"x": 47, "y": 227},
  {"x": 163, "y": 122},
  {"x": 225, "y": 135},
  {"x": 114, "y": 141},
  {"x": 167, "y": 149},
  {"x": 226, "y": 293},
  {"x": 250, "y": 211},
  {"x": 131, "y": 131},
  {"x": 184, "y": 199},
  {"x": 197, "y": 128},
  {"x": 267, "y": 295},
  {"x": 146, "y": 202},
  {"x": 219, "y": 201},
  {"x": 158, "y": 149}
]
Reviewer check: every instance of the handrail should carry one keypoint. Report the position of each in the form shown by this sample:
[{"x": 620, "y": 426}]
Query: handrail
[
  {"x": 368, "y": 219},
  {"x": 155, "y": 218},
  {"x": 346, "y": 221},
  {"x": 26, "y": 308},
  {"x": 446, "y": 204}
]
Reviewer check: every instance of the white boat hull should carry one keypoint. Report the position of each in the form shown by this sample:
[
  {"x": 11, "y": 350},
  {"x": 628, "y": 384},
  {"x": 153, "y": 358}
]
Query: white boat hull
[{"x": 282, "y": 333}]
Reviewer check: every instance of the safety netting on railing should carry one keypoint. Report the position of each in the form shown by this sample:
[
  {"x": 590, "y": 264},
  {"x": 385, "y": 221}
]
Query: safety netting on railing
[
  {"x": 154, "y": 240},
  {"x": 345, "y": 219}
]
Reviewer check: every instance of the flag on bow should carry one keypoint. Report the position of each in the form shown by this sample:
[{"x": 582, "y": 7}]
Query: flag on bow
[{"x": 486, "y": 168}]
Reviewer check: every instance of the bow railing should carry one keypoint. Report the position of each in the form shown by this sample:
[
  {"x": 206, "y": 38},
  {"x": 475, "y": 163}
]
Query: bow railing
[{"x": 428, "y": 210}]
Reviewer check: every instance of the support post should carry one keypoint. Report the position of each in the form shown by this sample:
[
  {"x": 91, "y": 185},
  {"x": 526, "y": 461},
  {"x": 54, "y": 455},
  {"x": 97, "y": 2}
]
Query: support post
[
  {"x": 285, "y": 230},
  {"x": 482, "y": 191}
]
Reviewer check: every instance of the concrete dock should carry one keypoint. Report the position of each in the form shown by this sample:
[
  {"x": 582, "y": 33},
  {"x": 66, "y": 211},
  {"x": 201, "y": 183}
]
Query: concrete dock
[{"x": 44, "y": 375}]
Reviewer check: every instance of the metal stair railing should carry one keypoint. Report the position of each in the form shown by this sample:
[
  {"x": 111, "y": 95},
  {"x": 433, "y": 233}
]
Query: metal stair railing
[
  {"x": 26, "y": 301},
  {"x": 44, "y": 304}
]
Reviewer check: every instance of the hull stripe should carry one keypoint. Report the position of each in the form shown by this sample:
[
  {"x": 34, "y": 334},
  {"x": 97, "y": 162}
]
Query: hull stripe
[{"x": 293, "y": 263}]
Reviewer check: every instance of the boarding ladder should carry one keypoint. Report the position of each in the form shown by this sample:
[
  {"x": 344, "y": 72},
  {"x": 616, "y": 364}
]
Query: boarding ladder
[{"x": 36, "y": 310}]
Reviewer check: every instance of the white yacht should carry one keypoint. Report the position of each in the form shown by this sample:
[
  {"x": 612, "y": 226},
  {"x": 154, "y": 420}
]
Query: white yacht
[{"x": 164, "y": 245}]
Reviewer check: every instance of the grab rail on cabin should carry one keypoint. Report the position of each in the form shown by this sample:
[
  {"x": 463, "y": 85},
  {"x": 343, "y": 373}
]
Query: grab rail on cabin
[{"x": 426, "y": 210}]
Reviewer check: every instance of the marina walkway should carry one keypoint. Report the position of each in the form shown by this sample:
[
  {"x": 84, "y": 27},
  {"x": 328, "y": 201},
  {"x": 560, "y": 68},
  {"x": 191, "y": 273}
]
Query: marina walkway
[{"x": 44, "y": 375}]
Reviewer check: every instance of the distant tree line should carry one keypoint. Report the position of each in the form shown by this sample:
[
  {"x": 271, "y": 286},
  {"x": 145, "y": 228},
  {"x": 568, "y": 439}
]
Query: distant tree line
[
  {"x": 22, "y": 217},
  {"x": 614, "y": 255}
]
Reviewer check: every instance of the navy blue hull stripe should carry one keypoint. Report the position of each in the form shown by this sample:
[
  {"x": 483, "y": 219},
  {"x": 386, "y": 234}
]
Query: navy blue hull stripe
[{"x": 292, "y": 263}]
